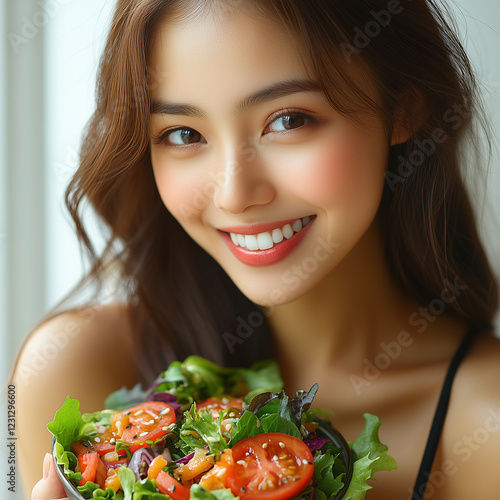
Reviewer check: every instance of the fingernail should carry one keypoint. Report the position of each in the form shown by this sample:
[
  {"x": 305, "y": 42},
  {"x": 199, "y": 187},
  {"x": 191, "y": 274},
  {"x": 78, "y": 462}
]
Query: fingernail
[{"x": 46, "y": 465}]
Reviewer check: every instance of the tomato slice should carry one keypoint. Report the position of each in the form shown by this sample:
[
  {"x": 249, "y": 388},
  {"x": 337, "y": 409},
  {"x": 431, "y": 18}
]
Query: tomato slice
[
  {"x": 144, "y": 422},
  {"x": 87, "y": 465},
  {"x": 171, "y": 487},
  {"x": 271, "y": 465},
  {"x": 221, "y": 403},
  {"x": 82, "y": 446}
]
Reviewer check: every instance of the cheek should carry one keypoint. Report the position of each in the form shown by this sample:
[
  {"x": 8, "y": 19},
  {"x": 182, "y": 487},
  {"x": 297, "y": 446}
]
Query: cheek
[
  {"x": 181, "y": 192},
  {"x": 342, "y": 172}
]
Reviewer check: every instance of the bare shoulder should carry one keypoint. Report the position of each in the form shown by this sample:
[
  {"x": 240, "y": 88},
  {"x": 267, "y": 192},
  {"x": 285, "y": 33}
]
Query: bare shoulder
[
  {"x": 85, "y": 353},
  {"x": 91, "y": 340},
  {"x": 470, "y": 447}
]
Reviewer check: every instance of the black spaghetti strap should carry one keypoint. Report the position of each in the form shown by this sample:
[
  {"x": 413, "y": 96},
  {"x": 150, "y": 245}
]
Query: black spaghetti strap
[{"x": 439, "y": 416}]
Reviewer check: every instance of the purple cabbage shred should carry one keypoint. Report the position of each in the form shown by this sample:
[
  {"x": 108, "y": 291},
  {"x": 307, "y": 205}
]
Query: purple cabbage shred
[
  {"x": 315, "y": 443},
  {"x": 139, "y": 463},
  {"x": 185, "y": 460}
]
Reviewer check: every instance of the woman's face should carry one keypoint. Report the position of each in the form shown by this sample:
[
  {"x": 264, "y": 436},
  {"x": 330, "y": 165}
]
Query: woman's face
[{"x": 247, "y": 152}]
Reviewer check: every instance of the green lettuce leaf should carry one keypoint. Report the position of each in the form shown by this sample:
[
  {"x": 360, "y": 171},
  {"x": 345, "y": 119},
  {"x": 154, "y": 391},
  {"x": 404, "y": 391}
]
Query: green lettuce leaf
[
  {"x": 138, "y": 490},
  {"x": 200, "y": 429},
  {"x": 325, "y": 483},
  {"x": 370, "y": 456},
  {"x": 247, "y": 426},
  {"x": 91, "y": 490},
  {"x": 67, "y": 423},
  {"x": 198, "y": 493}
]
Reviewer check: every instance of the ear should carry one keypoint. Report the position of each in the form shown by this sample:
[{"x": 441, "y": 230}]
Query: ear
[{"x": 410, "y": 115}]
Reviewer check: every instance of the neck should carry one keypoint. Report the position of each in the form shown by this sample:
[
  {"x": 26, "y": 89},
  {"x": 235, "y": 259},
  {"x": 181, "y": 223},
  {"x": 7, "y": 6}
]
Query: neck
[{"x": 345, "y": 318}]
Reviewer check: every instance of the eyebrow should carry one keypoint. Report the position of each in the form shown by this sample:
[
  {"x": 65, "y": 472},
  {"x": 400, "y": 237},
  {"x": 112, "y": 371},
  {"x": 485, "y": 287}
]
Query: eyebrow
[{"x": 275, "y": 91}]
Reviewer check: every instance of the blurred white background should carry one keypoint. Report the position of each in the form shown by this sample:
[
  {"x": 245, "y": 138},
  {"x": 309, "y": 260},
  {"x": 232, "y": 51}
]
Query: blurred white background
[{"x": 49, "y": 52}]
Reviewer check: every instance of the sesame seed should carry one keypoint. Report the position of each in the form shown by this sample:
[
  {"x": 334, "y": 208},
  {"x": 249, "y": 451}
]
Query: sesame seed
[
  {"x": 164, "y": 428},
  {"x": 275, "y": 457},
  {"x": 151, "y": 422},
  {"x": 165, "y": 411},
  {"x": 112, "y": 440},
  {"x": 97, "y": 440},
  {"x": 264, "y": 445},
  {"x": 211, "y": 439},
  {"x": 242, "y": 462},
  {"x": 142, "y": 434},
  {"x": 228, "y": 427},
  {"x": 282, "y": 445},
  {"x": 139, "y": 412}
]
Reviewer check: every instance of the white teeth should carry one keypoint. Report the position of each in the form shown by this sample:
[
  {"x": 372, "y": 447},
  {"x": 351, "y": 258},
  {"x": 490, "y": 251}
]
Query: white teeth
[
  {"x": 277, "y": 235},
  {"x": 241, "y": 240},
  {"x": 266, "y": 240},
  {"x": 234, "y": 238},
  {"x": 297, "y": 225},
  {"x": 251, "y": 242},
  {"x": 287, "y": 231}
]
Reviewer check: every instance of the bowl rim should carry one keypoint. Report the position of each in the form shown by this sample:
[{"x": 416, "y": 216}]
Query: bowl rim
[
  {"x": 346, "y": 454},
  {"x": 68, "y": 485}
]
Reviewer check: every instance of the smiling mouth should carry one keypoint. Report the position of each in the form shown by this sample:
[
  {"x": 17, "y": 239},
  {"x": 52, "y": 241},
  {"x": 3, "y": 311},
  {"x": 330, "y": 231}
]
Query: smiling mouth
[{"x": 269, "y": 239}]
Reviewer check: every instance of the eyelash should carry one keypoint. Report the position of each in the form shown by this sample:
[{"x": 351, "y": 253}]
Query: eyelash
[{"x": 309, "y": 120}]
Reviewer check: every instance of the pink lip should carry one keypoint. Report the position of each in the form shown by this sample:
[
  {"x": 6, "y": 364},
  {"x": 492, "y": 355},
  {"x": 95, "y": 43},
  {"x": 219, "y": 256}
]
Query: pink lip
[
  {"x": 261, "y": 258},
  {"x": 258, "y": 228}
]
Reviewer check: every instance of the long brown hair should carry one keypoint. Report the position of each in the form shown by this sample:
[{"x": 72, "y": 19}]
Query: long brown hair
[{"x": 182, "y": 302}]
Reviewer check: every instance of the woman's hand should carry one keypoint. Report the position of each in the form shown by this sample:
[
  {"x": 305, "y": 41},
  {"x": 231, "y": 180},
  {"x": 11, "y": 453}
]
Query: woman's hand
[{"x": 49, "y": 487}]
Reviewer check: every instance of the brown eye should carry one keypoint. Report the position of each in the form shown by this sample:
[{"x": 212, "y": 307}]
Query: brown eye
[
  {"x": 183, "y": 137},
  {"x": 288, "y": 122}
]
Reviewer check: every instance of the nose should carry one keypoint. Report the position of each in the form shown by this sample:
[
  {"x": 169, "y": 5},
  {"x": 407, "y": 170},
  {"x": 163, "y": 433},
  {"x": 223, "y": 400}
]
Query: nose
[{"x": 243, "y": 182}]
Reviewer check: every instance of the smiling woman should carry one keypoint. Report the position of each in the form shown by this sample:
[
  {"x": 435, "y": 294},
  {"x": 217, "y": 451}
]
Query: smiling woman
[
  {"x": 295, "y": 168},
  {"x": 302, "y": 158}
]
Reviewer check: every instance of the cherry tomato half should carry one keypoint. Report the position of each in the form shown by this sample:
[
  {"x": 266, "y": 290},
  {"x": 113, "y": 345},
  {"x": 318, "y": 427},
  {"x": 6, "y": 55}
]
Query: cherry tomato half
[
  {"x": 221, "y": 403},
  {"x": 271, "y": 466},
  {"x": 144, "y": 422}
]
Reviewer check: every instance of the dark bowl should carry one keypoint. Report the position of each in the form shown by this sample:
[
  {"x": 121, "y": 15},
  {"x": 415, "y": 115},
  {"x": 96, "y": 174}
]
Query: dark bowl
[
  {"x": 338, "y": 440},
  {"x": 326, "y": 430}
]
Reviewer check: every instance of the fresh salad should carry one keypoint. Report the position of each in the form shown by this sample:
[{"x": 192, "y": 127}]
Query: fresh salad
[{"x": 212, "y": 433}]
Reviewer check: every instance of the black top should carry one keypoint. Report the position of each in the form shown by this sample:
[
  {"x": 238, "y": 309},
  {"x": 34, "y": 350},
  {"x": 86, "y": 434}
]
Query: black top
[{"x": 439, "y": 416}]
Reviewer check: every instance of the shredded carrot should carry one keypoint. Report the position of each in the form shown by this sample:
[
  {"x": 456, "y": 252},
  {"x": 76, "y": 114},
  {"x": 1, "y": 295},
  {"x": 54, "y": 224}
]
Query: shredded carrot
[
  {"x": 156, "y": 466},
  {"x": 112, "y": 480},
  {"x": 201, "y": 462}
]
